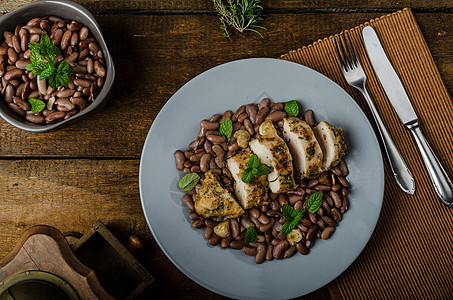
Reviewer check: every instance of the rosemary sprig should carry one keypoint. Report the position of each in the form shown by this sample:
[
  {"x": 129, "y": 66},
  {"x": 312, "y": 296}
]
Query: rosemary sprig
[{"x": 242, "y": 15}]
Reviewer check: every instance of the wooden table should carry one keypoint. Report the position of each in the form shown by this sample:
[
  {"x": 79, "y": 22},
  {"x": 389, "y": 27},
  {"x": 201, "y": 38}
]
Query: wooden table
[{"x": 89, "y": 170}]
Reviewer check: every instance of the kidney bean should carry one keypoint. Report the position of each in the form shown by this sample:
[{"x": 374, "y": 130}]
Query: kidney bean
[
  {"x": 294, "y": 199},
  {"x": 242, "y": 117},
  {"x": 44, "y": 25},
  {"x": 17, "y": 109},
  {"x": 312, "y": 183},
  {"x": 99, "y": 69},
  {"x": 327, "y": 233},
  {"x": 82, "y": 82},
  {"x": 34, "y": 38},
  {"x": 298, "y": 205},
  {"x": 264, "y": 103},
  {"x": 9, "y": 93},
  {"x": 24, "y": 105},
  {"x": 35, "y": 30},
  {"x": 343, "y": 181},
  {"x": 269, "y": 255},
  {"x": 250, "y": 251},
  {"x": 345, "y": 205},
  {"x": 218, "y": 150},
  {"x": 226, "y": 114},
  {"x": 249, "y": 127},
  {"x": 208, "y": 232},
  {"x": 329, "y": 221},
  {"x": 16, "y": 43},
  {"x": 262, "y": 114},
  {"x": 290, "y": 252},
  {"x": 21, "y": 64},
  {"x": 189, "y": 202},
  {"x": 254, "y": 212},
  {"x": 344, "y": 168},
  {"x": 35, "y": 119},
  {"x": 188, "y": 164},
  {"x": 246, "y": 222},
  {"x": 336, "y": 187},
  {"x": 302, "y": 249},
  {"x": 310, "y": 118},
  {"x": 83, "y": 33},
  {"x": 237, "y": 244},
  {"x": 14, "y": 73},
  {"x": 74, "y": 26},
  {"x": 251, "y": 112},
  {"x": 4, "y": 49},
  {"x": 311, "y": 232},
  {"x": 216, "y": 139},
  {"x": 12, "y": 56},
  {"x": 80, "y": 102},
  {"x": 336, "y": 199},
  {"x": 225, "y": 242},
  {"x": 55, "y": 116},
  {"x": 279, "y": 249},
  {"x": 282, "y": 199},
  {"x": 276, "y": 116},
  {"x": 322, "y": 187},
  {"x": 234, "y": 225},
  {"x": 65, "y": 39},
  {"x": 179, "y": 159},
  {"x": 56, "y": 36},
  {"x": 267, "y": 227},
  {"x": 24, "y": 42},
  {"x": 25, "y": 91},
  {"x": 238, "y": 112},
  {"x": 100, "y": 81},
  {"x": 204, "y": 162},
  {"x": 309, "y": 243},
  {"x": 63, "y": 104},
  {"x": 260, "y": 253},
  {"x": 72, "y": 57},
  {"x": 208, "y": 125},
  {"x": 263, "y": 219},
  {"x": 214, "y": 240},
  {"x": 336, "y": 170},
  {"x": 336, "y": 215}
]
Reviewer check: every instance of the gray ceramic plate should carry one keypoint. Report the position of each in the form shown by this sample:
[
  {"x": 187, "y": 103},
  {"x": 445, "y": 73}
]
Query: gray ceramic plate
[{"x": 230, "y": 272}]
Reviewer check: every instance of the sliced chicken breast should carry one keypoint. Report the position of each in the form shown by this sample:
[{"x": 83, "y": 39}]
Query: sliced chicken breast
[
  {"x": 332, "y": 144},
  {"x": 249, "y": 194},
  {"x": 304, "y": 147},
  {"x": 273, "y": 152},
  {"x": 213, "y": 200}
]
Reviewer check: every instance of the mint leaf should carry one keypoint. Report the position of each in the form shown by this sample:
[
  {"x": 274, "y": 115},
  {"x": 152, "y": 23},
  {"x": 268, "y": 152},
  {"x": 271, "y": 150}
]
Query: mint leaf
[
  {"x": 314, "y": 202},
  {"x": 189, "y": 181},
  {"x": 250, "y": 235},
  {"x": 254, "y": 161},
  {"x": 297, "y": 214},
  {"x": 53, "y": 82},
  {"x": 288, "y": 227},
  {"x": 226, "y": 127},
  {"x": 45, "y": 40},
  {"x": 248, "y": 175},
  {"x": 50, "y": 70},
  {"x": 287, "y": 211},
  {"x": 36, "y": 105},
  {"x": 263, "y": 169},
  {"x": 292, "y": 108}
]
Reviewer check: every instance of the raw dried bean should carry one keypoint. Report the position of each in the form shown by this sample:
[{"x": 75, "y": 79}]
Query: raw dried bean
[
  {"x": 214, "y": 240},
  {"x": 35, "y": 119},
  {"x": 208, "y": 232},
  {"x": 310, "y": 118},
  {"x": 250, "y": 251},
  {"x": 336, "y": 215},
  {"x": 84, "y": 44},
  {"x": 311, "y": 232},
  {"x": 302, "y": 249},
  {"x": 276, "y": 116},
  {"x": 290, "y": 252},
  {"x": 344, "y": 182},
  {"x": 336, "y": 171},
  {"x": 327, "y": 232},
  {"x": 279, "y": 249},
  {"x": 225, "y": 242},
  {"x": 84, "y": 54},
  {"x": 188, "y": 164},
  {"x": 179, "y": 159},
  {"x": 237, "y": 244},
  {"x": 249, "y": 127},
  {"x": 320, "y": 223},
  {"x": 17, "y": 109},
  {"x": 269, "y": 250},
  {"x": 99, "y": 69},
  {"x": 260, "y": 254},
  {"x": 4, "y": 49},
  {"x": 261, "y": 115},
  {"x": 208, "y": 125},
  {"x": 336, "y": 199},
  {"x": 329, "y": 221}
]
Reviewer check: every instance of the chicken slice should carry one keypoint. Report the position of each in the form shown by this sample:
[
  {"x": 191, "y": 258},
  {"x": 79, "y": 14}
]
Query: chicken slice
[
  {"x": 332, "y": 144},
  {"x": 249, "y": 194},
  {"x": 213, "y": 200},
  {"x": 304, "y": 147},
  {"x": 273, "y": 152}
]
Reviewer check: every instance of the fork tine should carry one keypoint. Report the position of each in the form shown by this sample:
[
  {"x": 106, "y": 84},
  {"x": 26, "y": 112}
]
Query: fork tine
[
  {"x": 342, "y": 65},
  {"x": 347, "y": 65},
  {"x": 354, "y": 56}
]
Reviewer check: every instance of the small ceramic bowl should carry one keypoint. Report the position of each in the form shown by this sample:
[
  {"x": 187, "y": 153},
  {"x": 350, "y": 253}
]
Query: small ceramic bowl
[{"x": 71, "y": 11}]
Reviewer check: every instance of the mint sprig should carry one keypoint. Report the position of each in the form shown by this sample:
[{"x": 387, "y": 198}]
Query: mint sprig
[
  {"x": 250, "y": 235},
  {"x": 314, "y": 202},
  {"x": 189, "y": 181},
  {"x": 292, "y": 217},
  {"x": 226, "y": 127},
  {"x": 292, "y": 108},
  {"x": 254, "y": 168},
  {"x": 42, "y": 58},
  {"x": 36, "y": 105}
]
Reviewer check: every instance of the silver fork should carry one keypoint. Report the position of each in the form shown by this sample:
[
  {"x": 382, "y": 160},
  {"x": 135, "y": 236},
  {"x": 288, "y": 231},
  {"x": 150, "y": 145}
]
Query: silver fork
[{"x": 355, "y": 76}]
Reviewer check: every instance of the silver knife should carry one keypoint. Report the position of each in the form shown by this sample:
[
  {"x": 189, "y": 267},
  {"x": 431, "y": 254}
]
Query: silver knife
[{"x": 397, "y": 95}]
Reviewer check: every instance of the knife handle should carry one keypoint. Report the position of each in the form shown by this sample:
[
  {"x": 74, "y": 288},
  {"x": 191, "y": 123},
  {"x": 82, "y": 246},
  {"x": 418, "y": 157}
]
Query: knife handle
[
  {"x": 442, "y": 184},
  {"x": 401, "y": 172}
]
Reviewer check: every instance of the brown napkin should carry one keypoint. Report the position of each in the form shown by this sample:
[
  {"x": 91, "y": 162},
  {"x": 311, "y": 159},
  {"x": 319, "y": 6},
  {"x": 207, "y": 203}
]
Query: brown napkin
[{"x": 410, "y": 254}]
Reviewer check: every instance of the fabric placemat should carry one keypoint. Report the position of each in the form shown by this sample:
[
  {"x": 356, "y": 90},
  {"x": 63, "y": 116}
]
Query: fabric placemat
[{"x": 410, "y": 254}]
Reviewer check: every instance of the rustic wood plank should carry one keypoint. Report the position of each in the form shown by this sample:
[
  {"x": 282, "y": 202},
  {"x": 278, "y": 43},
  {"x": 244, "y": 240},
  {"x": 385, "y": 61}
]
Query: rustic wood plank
[
  {"x": 269, "y": 5},
  {"x": 157, "y": 54},
  {"x": 72, "y": 194}
]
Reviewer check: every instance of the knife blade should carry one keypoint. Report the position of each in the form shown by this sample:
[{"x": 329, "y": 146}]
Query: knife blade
[{"x": 398, "y": 97}]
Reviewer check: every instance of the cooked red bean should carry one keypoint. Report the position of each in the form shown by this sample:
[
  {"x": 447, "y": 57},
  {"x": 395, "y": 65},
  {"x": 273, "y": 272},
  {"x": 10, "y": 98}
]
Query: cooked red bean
[
  {"x": 327, "y": 232},
  {"x": 276, "y": 116},
  {"x": 279, "y": 249}
]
